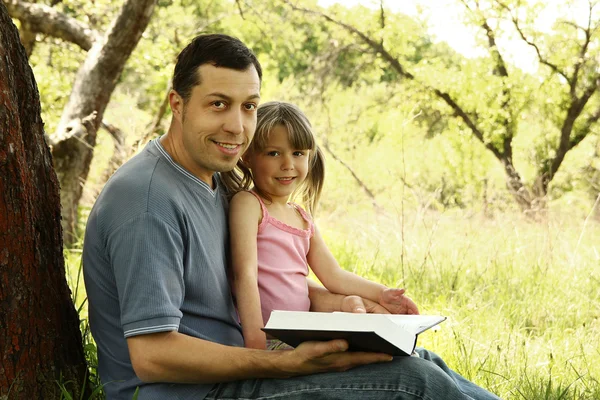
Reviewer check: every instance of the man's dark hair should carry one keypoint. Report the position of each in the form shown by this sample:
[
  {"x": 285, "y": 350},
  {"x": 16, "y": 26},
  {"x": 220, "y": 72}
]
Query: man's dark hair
[{"x": 215, "y": 49}]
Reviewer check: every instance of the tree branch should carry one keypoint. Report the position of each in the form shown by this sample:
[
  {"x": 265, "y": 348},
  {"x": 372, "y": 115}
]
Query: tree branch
[
  {"x": 580, "y": 61},
  {"x": 48, "y": 21},
  {"x": 501, "y": 71},
  {"x": 542, "y": 60},
  {"x": 585, "y": 129},
  {"x": 566, "y": 143},
  {"x": 240, "y": 8},
  {"x": 378, "y": 48}
]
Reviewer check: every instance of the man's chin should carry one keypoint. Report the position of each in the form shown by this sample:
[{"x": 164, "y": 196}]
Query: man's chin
[{"x": 226, "y": 167}]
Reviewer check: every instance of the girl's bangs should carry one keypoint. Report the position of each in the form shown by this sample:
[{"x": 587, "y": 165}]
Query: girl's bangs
[{"x": 299, "y": 135}]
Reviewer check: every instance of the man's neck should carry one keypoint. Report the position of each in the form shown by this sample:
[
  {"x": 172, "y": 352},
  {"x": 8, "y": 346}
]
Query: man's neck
[{"x": 178, "y": 154}]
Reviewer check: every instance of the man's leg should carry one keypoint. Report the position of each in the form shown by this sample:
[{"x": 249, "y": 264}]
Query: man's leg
[
  {"x": 464, "y": 385},
  {"x": 405, "y": 378}
]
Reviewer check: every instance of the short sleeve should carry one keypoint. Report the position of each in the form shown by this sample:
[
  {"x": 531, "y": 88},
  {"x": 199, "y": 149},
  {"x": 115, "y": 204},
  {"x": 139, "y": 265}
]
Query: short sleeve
[{"x": 147, "y": 261}]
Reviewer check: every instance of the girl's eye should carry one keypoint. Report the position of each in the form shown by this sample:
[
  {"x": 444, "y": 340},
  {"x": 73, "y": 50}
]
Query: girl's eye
[
  {"x": 273, "y": 153},
  {"x": 298, "y": 153}
]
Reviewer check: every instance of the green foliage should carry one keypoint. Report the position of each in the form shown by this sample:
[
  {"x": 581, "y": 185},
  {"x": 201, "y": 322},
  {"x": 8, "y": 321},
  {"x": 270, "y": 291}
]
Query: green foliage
[{"x": 55, "y": 64}]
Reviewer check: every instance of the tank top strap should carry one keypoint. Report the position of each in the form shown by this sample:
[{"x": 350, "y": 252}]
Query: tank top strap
[
  {"x": 265, "y": 213},
  {"x": 306, "y": 217}
]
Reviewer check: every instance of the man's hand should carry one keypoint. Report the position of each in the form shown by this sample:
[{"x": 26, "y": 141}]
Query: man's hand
[
  {"x": 315, "y": 357},
  {"x": 396, "y": 302}
]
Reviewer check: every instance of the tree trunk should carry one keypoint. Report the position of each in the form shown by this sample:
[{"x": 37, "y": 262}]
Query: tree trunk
[
  {"x": 40, "y": 341},
  {"x": 516, "y": 187},
  {"x": 75, "y": 138}
]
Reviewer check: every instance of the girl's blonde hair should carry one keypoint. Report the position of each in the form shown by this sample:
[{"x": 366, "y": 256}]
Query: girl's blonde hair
[{"x": 301, "y": 137}]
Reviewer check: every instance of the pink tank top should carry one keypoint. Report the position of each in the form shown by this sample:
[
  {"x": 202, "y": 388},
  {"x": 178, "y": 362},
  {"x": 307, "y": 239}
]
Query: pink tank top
[{"x": 282, "y": 264}]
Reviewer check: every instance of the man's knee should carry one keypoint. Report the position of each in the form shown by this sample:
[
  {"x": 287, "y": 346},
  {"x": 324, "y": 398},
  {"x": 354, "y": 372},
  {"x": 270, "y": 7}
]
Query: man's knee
[{"x": 426, "y": 378}]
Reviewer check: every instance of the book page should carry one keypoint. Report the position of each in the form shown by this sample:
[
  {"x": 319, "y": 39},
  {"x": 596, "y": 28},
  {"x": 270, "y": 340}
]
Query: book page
[{"x": 416, "y": 323}]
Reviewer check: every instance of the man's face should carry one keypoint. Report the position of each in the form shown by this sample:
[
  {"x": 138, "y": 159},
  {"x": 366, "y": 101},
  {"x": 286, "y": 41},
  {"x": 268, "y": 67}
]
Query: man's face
[{"x": 218, "y": 121}]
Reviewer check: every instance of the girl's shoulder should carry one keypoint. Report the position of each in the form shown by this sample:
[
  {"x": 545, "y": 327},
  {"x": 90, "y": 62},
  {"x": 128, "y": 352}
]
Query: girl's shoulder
[
  {"x": 247, "y": 205},
  {"x": 245, "y": 199}
]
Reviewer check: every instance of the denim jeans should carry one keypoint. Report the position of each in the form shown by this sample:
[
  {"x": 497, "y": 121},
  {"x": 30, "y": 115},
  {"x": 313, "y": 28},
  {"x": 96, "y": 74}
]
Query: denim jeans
[{"x": 425, "y": 377}]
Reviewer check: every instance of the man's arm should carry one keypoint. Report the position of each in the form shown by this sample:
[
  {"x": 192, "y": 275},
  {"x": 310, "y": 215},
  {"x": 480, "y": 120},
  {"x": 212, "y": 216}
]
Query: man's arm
[{"x": 175, "y": 357}]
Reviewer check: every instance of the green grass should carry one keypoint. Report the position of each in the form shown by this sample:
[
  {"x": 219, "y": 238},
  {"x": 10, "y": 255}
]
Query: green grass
[{"x": 522, "y": 297}]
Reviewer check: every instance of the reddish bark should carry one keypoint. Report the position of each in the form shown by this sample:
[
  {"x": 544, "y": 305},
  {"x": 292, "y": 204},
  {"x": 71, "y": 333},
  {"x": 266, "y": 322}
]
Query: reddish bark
[{"x": 40, "y": 339}]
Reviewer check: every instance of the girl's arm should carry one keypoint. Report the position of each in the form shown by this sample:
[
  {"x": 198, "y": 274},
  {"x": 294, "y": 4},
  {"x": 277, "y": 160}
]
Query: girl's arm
[
  {"x": 322, "y": 300},
  {"x": 338, "y": 280},
  {"x": 244, "y": 216}
]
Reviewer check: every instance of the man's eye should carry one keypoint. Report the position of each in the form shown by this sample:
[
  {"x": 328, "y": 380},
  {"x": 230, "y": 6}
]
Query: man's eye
[
  {"x": 250, "y": 106},
  {"x": 219, "y": 104}
]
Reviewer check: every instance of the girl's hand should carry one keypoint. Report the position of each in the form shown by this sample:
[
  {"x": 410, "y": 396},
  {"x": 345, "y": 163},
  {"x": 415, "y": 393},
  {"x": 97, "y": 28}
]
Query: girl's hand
[{"x": 396, "y": 302}]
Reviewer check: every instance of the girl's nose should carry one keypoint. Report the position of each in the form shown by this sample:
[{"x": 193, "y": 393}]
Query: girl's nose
[{"x": 287, "y": 164}]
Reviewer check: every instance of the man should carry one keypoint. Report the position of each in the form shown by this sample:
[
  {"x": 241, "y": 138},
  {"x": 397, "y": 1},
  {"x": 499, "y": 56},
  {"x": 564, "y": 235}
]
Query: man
[{"x": 155, "y": 266}]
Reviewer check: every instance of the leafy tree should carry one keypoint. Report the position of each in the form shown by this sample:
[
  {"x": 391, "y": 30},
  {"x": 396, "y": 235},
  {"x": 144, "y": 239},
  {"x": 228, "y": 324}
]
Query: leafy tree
[{"x": 490, "y": 98}]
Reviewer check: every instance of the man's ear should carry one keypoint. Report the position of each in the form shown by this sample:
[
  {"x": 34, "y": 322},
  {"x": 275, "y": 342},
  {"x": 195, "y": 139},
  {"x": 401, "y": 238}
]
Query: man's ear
[{"x": 177, "y": 104}]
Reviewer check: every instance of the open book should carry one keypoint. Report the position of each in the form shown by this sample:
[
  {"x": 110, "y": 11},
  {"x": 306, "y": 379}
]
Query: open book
[{"x": 382, "y": 333}]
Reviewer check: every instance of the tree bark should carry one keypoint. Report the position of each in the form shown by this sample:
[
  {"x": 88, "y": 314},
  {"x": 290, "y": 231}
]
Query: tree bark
[
  {"x": 40, "y": 341},
  {"x": 74, "y": 140}
]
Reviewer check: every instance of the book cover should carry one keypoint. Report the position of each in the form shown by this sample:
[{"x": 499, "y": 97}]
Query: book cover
[{"x": 383, "y": 333}]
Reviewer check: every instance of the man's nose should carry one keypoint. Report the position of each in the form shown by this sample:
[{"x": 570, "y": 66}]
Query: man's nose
[{"x": 234, "y": 122}]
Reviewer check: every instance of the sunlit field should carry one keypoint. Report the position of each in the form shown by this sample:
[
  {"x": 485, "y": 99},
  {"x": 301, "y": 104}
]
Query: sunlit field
[{"x": 522, "y": 297}]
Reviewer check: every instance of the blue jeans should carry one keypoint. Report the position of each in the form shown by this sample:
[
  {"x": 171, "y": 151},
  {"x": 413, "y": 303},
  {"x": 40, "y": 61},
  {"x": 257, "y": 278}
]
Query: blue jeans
[{"x": 426, "y": 377}]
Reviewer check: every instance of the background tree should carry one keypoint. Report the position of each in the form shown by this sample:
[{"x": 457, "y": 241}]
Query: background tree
[
  {"x": 490, "y": 105},
  {"x": 74, "y": 140},
  {"x": 40, "y": 342}
]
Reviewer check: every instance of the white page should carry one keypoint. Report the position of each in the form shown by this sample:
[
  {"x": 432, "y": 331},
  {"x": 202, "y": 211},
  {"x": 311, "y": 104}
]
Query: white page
[{"x": 416, "y": 323}]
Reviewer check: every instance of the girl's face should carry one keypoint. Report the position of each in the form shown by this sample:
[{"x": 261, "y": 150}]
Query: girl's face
[{"x": 278, "y": 169}]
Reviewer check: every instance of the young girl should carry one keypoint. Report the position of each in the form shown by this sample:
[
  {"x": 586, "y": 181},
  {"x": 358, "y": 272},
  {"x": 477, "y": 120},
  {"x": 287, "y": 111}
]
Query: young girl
[{"x": 272, "y": 239}]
